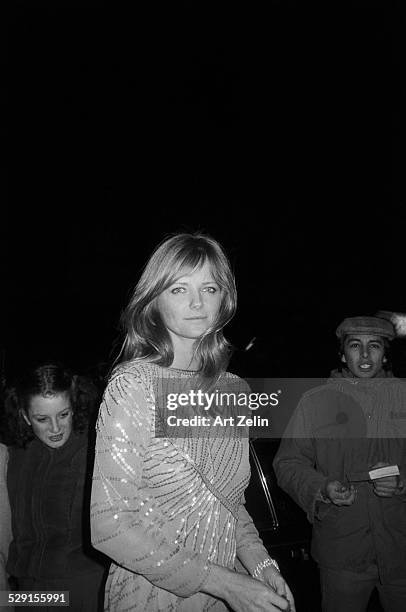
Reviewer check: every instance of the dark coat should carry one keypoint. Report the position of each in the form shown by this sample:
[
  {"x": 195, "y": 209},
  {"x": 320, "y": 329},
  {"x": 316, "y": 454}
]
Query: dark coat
[
  {"x": 338, "y": 432},
  {"x": 49, "y": 514}
]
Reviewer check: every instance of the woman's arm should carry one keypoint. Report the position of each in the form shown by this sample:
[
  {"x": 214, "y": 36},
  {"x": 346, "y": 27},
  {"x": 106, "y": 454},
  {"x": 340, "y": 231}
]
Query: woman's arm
[
  {"x": 250, "y": 549},
  {"x": 255, "y": 557},
  {"x": 126, "y": 521}
]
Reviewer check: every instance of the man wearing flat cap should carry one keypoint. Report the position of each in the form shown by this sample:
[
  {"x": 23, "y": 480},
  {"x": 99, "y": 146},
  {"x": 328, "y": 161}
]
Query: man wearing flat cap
[{"x": 343, "y": 460}]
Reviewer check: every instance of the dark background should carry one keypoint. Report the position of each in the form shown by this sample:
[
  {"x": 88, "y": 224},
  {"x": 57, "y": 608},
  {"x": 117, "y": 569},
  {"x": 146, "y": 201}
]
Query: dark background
[{"x": 277, "y": 127}]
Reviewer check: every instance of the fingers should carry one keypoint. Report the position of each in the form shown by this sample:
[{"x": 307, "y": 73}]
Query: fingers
[
  {"x": 280, "y": 586},
  {"x": 245, "y": 593},
  {"x": 386, "y": 481},
  {"x": 338, "y": 490},
  {"x": 284, "y": 604},
  {"x": 386, "y": 487},
  {"x": 400, "y": 488},
  {"x": 275, "y": 599},
  {"x": 290, "y": 599},
  {"x": 342, "y": 495},
  {"x": 344, "y": 502},
  {"x": 385, "y": 491},
  {"x": 276, "y": 582},
  {"x": 283, "y": 590},
  {"x": 278, "y": 592}
]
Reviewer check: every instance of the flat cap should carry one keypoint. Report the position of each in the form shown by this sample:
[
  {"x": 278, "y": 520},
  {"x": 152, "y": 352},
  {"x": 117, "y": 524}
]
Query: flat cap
[{"x": 366, "y": 325}]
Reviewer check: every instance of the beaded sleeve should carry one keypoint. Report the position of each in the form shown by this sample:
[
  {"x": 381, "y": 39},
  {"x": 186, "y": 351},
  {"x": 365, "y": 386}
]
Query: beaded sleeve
[
  {"x": 250, "y": 549},
  {"x": 126, "y": 521},
  {"x": 249, "y": 546}
]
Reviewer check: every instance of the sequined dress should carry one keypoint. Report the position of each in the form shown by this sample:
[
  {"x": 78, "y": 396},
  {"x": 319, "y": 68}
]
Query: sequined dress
[{"x": 165, "y": 509}]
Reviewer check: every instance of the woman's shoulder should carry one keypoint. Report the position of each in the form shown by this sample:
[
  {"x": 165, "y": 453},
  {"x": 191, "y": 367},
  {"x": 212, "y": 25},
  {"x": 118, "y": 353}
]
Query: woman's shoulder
[
  {"x": 231, "y": 375},
  {"x": 234, "y": 377},
  {"x": 134, "y": 373},
  {"x": 133, "y": 367},
  {"x": 132, "y": 383},
  {"x": 236, "y": 381}
]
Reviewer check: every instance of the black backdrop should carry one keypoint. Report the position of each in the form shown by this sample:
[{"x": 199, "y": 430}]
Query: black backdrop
[{"x": 276, "y": 127}]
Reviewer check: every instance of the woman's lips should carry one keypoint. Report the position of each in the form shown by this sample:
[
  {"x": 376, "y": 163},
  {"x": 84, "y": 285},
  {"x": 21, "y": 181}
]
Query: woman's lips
[{"x": 56, "y": 438}]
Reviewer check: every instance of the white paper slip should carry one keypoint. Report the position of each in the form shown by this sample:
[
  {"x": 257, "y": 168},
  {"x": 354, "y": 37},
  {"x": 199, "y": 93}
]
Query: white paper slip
[{"x": 388, "y": 470}]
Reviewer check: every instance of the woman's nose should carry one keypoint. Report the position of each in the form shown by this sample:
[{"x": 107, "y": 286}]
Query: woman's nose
[
  {"x": 54, "y": 426},
  {"x": 196, "y": 299}
]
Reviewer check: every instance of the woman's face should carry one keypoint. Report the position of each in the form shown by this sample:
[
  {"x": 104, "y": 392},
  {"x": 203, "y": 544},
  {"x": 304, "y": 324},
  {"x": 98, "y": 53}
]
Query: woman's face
[
  {"x": 50, "y": 418},
  {"x": 190, "y": 306}
]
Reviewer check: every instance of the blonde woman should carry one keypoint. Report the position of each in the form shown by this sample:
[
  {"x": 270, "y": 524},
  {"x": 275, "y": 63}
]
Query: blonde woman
[{"x": 169, "y": 511}]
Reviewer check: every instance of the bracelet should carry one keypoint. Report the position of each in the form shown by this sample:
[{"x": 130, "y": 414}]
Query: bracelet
[{"x": 262, "y": 565}]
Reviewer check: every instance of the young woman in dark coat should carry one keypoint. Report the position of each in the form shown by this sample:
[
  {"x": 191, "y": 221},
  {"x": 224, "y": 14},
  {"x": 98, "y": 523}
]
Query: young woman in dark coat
[{"x": 48, "y": 413}]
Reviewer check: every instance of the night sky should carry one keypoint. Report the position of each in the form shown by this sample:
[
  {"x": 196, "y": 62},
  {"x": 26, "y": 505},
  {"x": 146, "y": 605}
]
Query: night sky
[{"x": 278, "y": 128}]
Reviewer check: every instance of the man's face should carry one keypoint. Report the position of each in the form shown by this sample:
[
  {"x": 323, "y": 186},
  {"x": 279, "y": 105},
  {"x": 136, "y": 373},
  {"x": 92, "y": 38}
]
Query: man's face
[{"x": 364, "y": 354}]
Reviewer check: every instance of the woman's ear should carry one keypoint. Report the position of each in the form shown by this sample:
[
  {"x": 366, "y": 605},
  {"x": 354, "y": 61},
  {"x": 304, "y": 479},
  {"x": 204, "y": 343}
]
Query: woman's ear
[
  {"x": 343, "y": 359},
  {"x": 384, "y": 360}
]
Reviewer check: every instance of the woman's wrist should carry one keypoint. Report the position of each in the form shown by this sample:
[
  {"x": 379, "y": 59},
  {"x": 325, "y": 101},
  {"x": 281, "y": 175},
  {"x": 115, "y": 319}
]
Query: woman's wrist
[
  {"x": 217, "y": 581},
  {"x": 268, "y": 562}
]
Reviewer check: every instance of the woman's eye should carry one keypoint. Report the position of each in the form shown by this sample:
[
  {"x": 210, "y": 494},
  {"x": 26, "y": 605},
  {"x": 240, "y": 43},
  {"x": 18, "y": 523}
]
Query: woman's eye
[
  {"x": 210, "y": 289},
  {"x": 64, "y": 415},
  {"x": 41, "y": 420},
  {"x": 176, "y": 290}
]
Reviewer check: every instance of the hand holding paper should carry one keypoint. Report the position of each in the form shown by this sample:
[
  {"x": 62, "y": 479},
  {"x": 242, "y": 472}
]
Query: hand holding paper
[
  {"x": 385, "y": 479},
  {"x": 384, "y": 471}
]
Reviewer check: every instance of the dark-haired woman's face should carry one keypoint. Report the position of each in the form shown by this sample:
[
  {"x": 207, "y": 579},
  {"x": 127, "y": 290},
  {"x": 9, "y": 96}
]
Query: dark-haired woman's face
[
  {"x": 190, "y": 306},
  {"x": 50, "y": 418}
]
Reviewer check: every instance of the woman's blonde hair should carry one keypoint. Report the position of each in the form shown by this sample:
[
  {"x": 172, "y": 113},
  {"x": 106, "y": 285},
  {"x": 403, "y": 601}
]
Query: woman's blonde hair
[{"x": 146, "y": 336}]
